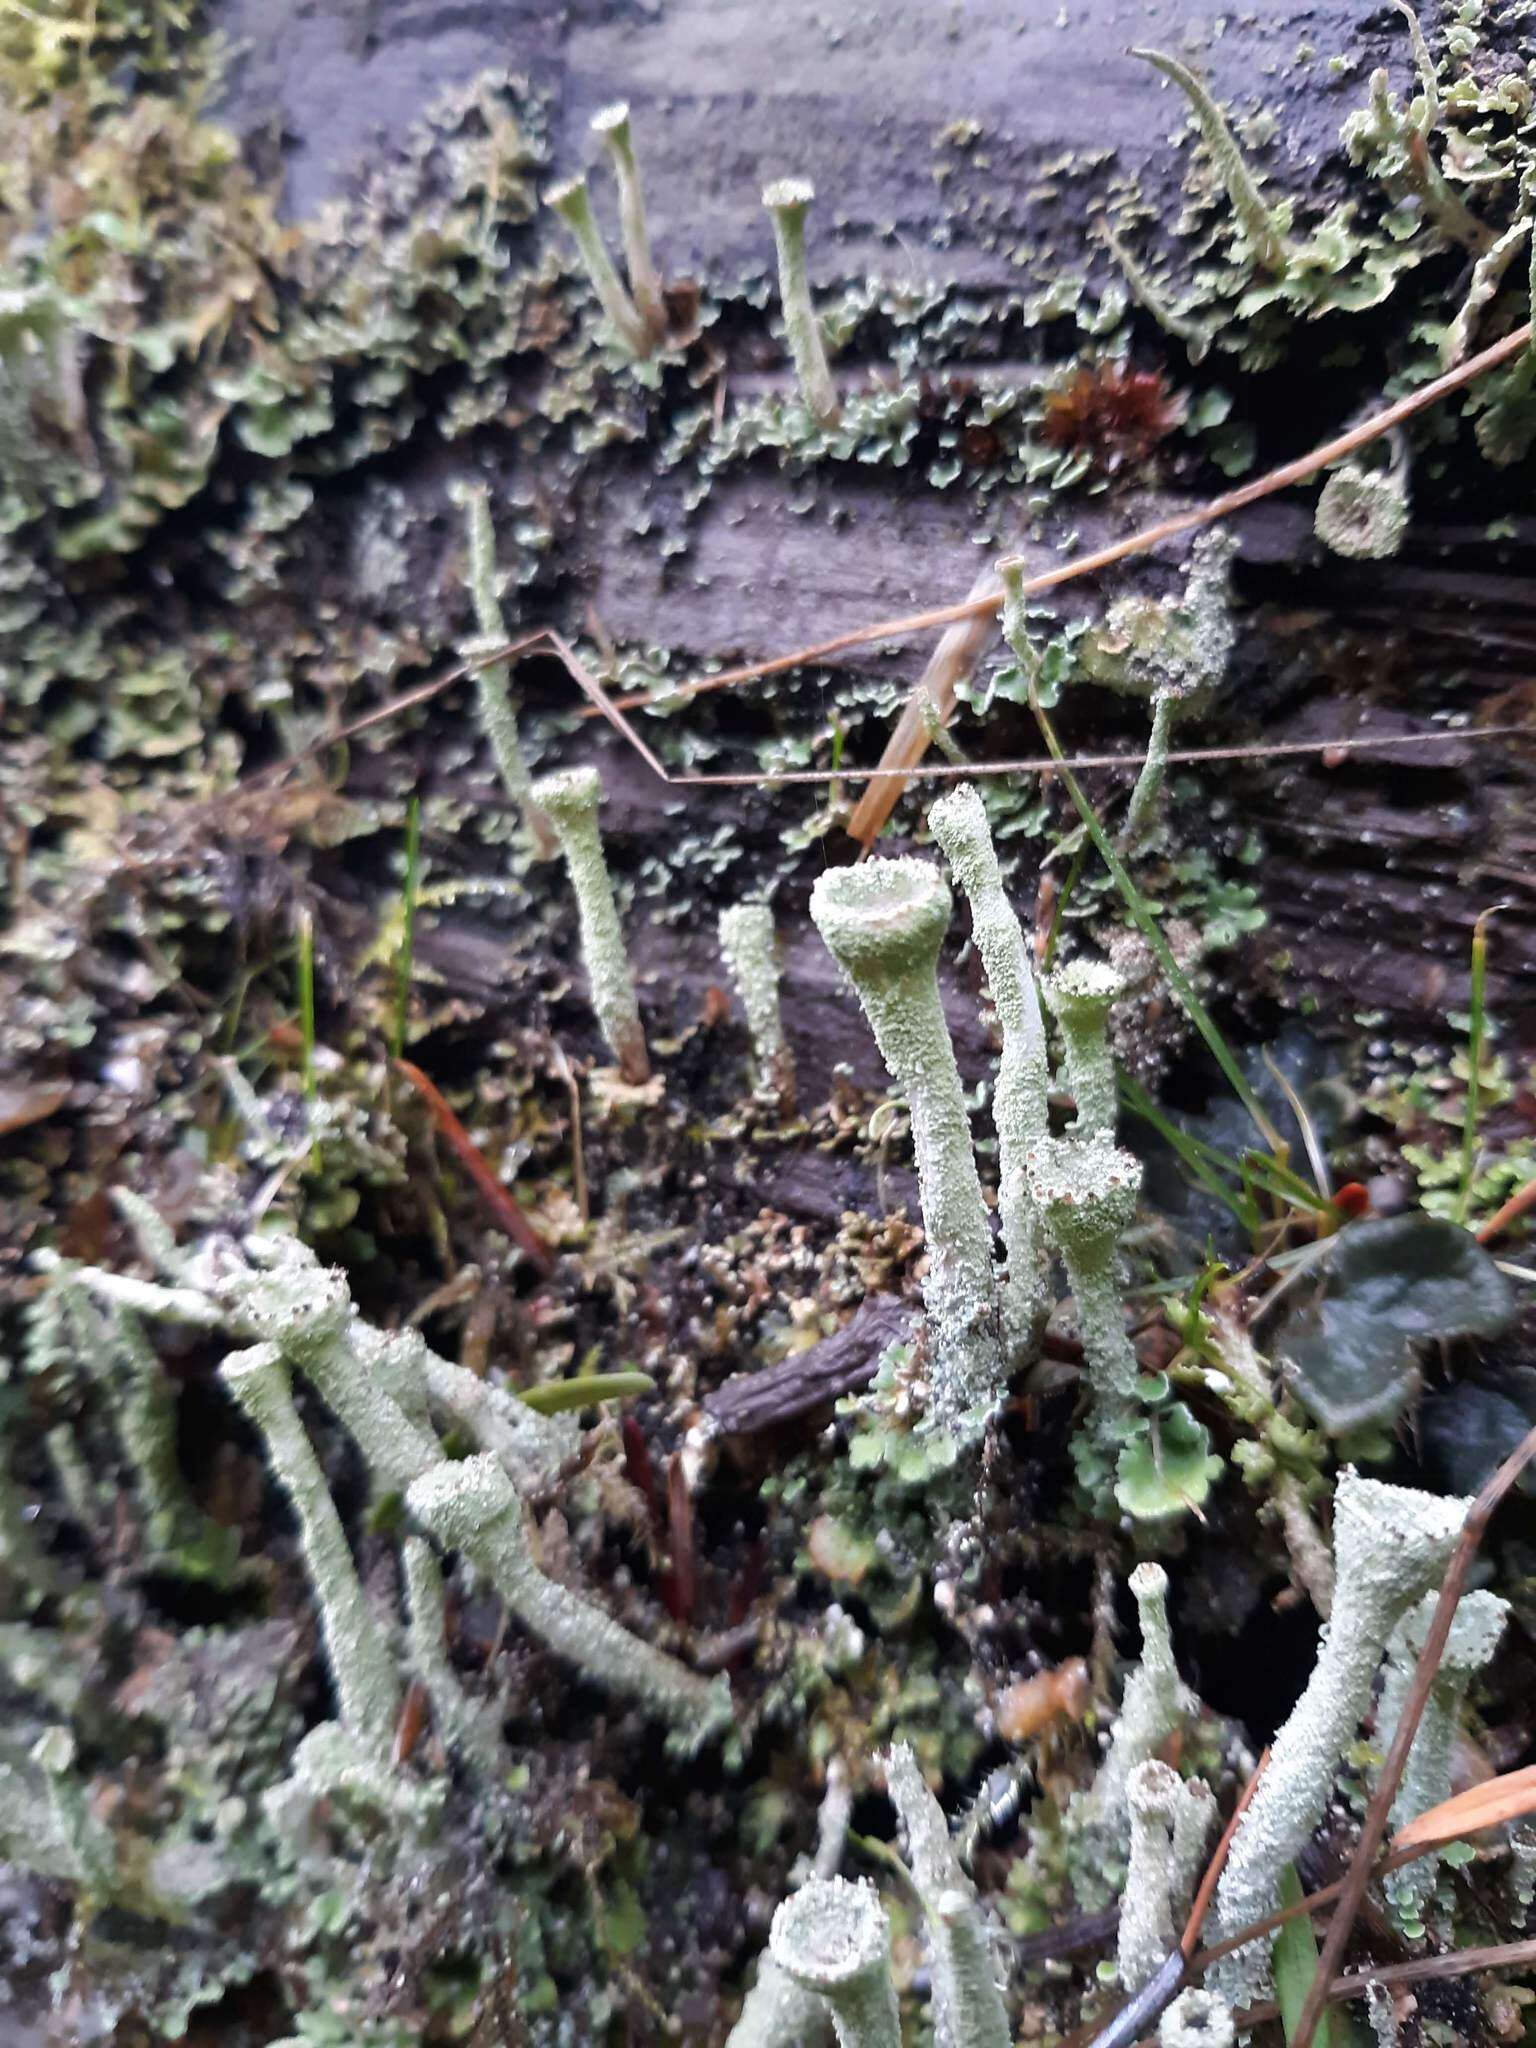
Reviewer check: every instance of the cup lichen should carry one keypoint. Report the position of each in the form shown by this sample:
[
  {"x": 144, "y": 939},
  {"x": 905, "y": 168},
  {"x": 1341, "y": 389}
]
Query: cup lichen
[
  {"x": 748, "y": 945},
  {"x": 611, "y": 127},
  {"x": 572, "y": 201},
  {"x": 958, "y": 822},
  {"x": 571, "y": 799},
  {"x": 884, "y": 922},
  {"x": 1085, "y": 1191},
  {"x": 833, "y": 1938},
  {"x": 788, "y": 200}
]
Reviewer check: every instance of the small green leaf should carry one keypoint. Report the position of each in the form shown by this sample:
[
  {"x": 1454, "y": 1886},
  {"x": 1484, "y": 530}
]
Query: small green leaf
[
  {"x": 1168, "y": 1466},
  {"x": 1296, "y": 1962},
  {"x": 557, "y": 1397}
]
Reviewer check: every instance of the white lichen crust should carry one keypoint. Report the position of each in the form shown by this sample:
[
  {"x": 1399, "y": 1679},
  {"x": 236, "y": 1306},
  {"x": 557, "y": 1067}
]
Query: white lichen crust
[
  {"x": 1391, "y": 1546},
  {"x": 832, "y": 1938},
  {"x": 958, "y": 822},
  {"x": 611, "y": 126},
  {"x": 1080, "y": 997},
  {"x": 472, "y": 1506},
  {"x": 573, "y": 203},
  {"x": 967, "y": 1995},
  {"x": 362, "y": 1666},
  {"x": 788, "y": 201},
  {"x": 571, "y": 799},
  {"x": 1085, "y": 1191},
  {"x": 747, "y": 942},
  {"x": 1476, "y": 1629},
  {"x": 884, "y": 922}
]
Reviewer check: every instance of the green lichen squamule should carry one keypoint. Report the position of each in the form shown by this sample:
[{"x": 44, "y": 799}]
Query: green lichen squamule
[
  {"x": 1085, "y": 1190},
  {"x": 1391, "y": 1546},
  {"x": 471, "y": 1506},
  {"x": 573, "y": 203},
  {"x": 967, "y": 1996},
  {"x": 611, "y": 126},
  {"x": 1254, "y": 215},
  {"x": 571, "y": 800},
  {"x": 884, "y": 922},
  {"x": 832, "y": 1938},
  {"x": 788, "y": 201},
  {"x": 748, "y": 944},
  {"x": 958, "y": 822},
  {"x": 493, "y": 687},
  {"x": 362, "y": 1666}
]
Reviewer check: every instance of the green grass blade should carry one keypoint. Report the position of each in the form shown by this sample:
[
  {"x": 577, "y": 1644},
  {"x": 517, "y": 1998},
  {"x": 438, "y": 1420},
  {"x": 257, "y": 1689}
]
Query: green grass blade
[
  {"x": 407, "y": 925},
  {"x": 1193, "y": 1156},
  {"x": 1151, "y": 931},
  {"x": 555, "y": 1397},
  {"x": 307, "y": 996},
  {"x": 1477, "y": 1033},
  {"x": 1295, "y": 1958}
]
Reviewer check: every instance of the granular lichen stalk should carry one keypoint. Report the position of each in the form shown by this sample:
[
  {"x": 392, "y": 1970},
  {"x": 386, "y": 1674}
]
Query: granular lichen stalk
[
  {"x": 498, "y": 714},
  {"x": 884, "y": 922},
  {"x": 1085, "y": 1190},
  {"x": 788, "y": 201},
  {"x": 1391, "y": 1546},
  {"x": 611, "y": 126},
  {"x": 1080, "y": 997},
  {"x": 967, "y": 1994},
  {"x": 571, "y": 800},
  {"x": 747, "y": 942},
  {"x": 833, "y": 1939},
  {"x": 958, "y": 822},
  {"x": 472, "y": 1506},
  {"x": 572, "y": 201},
  {"x": 362, "y": 1668}
]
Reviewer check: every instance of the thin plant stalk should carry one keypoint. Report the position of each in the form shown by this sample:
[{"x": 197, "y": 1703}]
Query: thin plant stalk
[
  {"x": 307, "y": 997},
  {"x": 1477, "y": 1032},
  {"x": 1151, "y": 931},
  {"x": 407, "y": 925}
]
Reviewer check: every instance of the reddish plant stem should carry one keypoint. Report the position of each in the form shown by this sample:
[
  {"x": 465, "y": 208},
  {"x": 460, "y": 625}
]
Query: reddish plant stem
[{"x": 504, "y": 1210}]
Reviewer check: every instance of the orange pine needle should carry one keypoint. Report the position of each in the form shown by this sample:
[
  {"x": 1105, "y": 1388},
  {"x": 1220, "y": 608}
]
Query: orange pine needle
[{"x": 508, "y": 1216}]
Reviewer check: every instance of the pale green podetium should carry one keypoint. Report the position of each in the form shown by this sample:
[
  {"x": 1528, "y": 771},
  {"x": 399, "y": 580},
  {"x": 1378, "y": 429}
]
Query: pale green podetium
[
  {"x": 967, "y": 1997},
  {"x": 747, "y": 942},
  {"x": 1363, "y": 513},
  {"x": 884, "y": 922},
  {"x": 1259, "y": 223},
  {"x": 1154, "y": 1705},
  {"x": 362, "y": 1668},
  {"x": 1170, "y": 1824},
  {"x": 1086, "y": 1190},
  {"x": 611, "y": 127},
  {"x": 1390, "y": 1547},
  {"x": 571, "y": 799},
  {"x": 493, "y": 690},
  {"x": 472, "y": 1506},
  {"x": 463, "y": 1724},
  {"x": 1080, "y": 997},
  {"x": 958, "y": 822},
  {"x": 789, "y": 201},
  {"x": 1475, "y": 1632},
  {"x": 572, "y": 201},
  {"x": 832, "y": 1938}
]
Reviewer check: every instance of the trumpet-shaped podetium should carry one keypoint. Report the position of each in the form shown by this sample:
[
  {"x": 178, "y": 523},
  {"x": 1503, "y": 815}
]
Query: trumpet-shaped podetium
[
  {"x": 571, "y": 800},
  {"x": 1390, "y": 1546},
  {"x": 1085, "y": 1190},
  {"x": 611, "y": 126},
  {"x": 832, "y": 1938},
  {"x": 884, "y": 922},
  {"x": 572, "y": 201},
  {"x": 958, "y": 822},
  {"x": 789, "y": 201},
  {"x": 1080, "y": 997}
]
